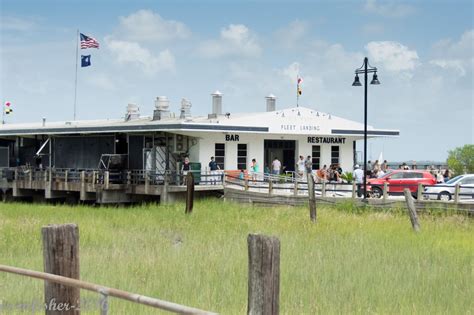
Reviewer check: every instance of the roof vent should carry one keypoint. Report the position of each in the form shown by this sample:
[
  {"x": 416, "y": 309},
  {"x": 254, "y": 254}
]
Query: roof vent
[
  {"x": 133, "y": 112},
  {"x": 162, "y": 105},
  {"x": 185, "y": 109},
  {"x": 271, "y": 103},
  {"x": 217, "y": 103}
]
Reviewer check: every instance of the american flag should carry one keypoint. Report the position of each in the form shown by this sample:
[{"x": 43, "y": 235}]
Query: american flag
[{"x": 88, "y": 42}]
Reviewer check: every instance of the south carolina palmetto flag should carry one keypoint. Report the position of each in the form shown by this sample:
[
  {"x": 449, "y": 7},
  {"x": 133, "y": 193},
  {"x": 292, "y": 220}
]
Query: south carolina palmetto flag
[{"x": 298, "y": 84}]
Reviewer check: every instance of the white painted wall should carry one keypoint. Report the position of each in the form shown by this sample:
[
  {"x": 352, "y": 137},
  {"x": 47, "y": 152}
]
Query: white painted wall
[{"x": 205, "y": 149}]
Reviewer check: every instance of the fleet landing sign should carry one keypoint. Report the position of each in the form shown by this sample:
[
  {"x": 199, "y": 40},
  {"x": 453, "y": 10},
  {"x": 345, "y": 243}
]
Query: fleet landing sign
[{"x": 323, "y": 140}]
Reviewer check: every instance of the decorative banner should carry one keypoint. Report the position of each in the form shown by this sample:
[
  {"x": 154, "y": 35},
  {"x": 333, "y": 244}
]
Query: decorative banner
[{"x": 85, "y": 60}]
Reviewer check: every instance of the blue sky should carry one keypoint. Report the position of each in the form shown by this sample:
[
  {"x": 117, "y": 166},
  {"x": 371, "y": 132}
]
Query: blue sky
[{"x": 247, "y": 50}]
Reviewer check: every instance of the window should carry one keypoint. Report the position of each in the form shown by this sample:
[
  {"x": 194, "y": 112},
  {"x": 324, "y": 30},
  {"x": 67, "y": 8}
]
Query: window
[
  {"x": 242, "y": 156},
  {"x": 316, "y": 157},
  {"x": 467, "y": 181},
  {"x": 397, "y": 176},
  {"x": 219, "y": 154},
  {"x": 412, "y": 175},
  {"x": 334, "y": 154}
]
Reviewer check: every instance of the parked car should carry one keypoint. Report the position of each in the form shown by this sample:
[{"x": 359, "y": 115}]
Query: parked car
[
  {"x": 445, "y": 191},
  {"x": 398, "y": 180}
]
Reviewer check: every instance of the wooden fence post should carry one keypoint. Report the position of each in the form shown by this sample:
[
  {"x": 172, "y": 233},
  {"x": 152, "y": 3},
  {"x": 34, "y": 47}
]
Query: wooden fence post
[
  {"x": 246, "y": 184},
  {"x": 270, "y": 187},
  {"x": 353, "y": 190},
  {"x": 312, "y": 198},
  {"x": 264, "y": 275},
  {"x": 412, "y": 210},
  {"x": 323, "y": 189},
  {"x": 295, "y": 188},
  {"x": 457, "y": 188},
  {"x": 61, "y": 257},
  {"x": 385, "y": 191},
  {"x": 189, "y": 192},
  {"x": 106, "y": 179}
]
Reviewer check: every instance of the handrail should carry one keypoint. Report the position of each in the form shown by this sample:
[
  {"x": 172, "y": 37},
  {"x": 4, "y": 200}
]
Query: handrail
[{"x": 133, "y": 297}]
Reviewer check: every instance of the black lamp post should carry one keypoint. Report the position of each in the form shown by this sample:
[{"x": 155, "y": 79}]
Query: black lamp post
[{"x": 365, "y": 69}]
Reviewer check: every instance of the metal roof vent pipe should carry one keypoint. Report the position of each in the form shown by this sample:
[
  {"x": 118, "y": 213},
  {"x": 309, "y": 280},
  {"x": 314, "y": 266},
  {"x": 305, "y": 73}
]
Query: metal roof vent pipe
[
  {"x": 162, "y": 108},
  {"x": 185, "y": 108},
  {"x": 271, "y": 103},
  {"x": 44, "y": 121},
  {"x": 133, "y": 112},
  {"x": 216, "y": 104}
]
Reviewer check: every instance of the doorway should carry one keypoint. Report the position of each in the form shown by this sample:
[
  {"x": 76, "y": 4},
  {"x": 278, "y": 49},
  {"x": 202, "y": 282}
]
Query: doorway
[{"x": 284, "y": 150}]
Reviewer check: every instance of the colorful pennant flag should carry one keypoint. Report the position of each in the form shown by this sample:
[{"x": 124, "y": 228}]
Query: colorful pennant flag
[
  {"x": 8, "y": 109},
  {"x": 88, "y": 42},
  {"x": 299, "y": 81}
]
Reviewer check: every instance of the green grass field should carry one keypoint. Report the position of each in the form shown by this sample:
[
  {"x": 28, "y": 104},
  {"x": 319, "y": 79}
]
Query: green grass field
[{"x": 358, "y": 263}]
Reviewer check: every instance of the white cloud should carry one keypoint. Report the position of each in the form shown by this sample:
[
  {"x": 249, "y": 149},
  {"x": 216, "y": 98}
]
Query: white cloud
[
  {"x": 292, "y": 33},
  {"x": 457, "y": 56},
  {"x": 145, "y": 25},
  {"x": 234, "y": 40},
  {"x": 102, "y": 81},
  {"x": 393, "y": 56},
  {"x": 391, "y": 9},
  {"x": 131, "y": 52},
  {"x": 9, "y": 23}
]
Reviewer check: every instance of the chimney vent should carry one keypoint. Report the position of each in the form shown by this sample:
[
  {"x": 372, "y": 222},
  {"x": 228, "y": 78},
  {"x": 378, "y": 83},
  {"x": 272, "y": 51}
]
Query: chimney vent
[
  {"x": 162, "y": 105},
  {"x": 185, "y": 109},
  {"x": 217, "y": 103},
  {"x": 271, "y": 103},
  {"x": 133, "y": 112}
]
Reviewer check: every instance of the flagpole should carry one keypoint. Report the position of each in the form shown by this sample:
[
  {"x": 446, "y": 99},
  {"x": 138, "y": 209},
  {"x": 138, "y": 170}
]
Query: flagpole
[
  {"x": 297, "y": 91},
  {"x": 75, "y": 82}
]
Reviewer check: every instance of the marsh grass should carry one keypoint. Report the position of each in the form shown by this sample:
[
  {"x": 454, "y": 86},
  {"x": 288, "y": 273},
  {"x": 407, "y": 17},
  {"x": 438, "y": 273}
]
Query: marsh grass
[{"x": 351, "y": 261}]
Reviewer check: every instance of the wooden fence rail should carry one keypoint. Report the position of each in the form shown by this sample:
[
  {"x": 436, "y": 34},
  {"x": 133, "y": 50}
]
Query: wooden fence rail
[{"x": 133, "y": 297}]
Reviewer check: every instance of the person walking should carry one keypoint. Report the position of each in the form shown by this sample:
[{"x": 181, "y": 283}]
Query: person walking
[
  {"x": 300, "y": 167},
  {"x": 213, "y": 167},
  {"x": 359, "y": 179}
]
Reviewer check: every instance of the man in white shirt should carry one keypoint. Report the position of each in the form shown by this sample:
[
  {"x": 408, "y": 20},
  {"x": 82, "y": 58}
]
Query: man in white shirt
[
  {"x": 276, "y": 166},
  {"x": 359, "y": 178}
]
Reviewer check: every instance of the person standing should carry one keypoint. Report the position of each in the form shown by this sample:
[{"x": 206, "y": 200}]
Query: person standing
[
  {"x": 276, "y": 166},
  {"x": 254, "y": 168},
  {"x": 359, "y": 179},
  {"x": 213, "y": 167},
  {"x": 300, "y": 167},
  {"x": 185, "y": 168},
  {"x": 384, "y": 166}
]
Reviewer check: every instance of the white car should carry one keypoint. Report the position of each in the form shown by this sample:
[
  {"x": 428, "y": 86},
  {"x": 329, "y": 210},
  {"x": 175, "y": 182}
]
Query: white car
[{"x": 445, "y": 191}]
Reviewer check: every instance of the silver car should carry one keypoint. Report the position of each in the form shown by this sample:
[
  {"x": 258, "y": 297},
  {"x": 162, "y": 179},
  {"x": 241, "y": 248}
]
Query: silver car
[{"x": 445, "y": 191}]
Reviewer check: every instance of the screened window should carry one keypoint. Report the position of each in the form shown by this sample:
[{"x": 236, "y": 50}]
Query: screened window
[
  {"x": 334, "y": 154},
  {"x": 219, "y": 154},
  {"x": 242, "y": 156},
  {"x": 316, "y": 157}
]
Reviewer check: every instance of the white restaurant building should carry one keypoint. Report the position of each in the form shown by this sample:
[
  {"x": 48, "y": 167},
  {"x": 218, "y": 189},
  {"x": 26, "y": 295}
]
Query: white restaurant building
[{"x": 163, "y": 140}]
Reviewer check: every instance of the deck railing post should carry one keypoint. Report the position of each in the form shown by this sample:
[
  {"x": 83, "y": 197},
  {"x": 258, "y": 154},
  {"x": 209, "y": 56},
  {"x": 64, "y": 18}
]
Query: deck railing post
[
  {"x": 264, "y": 275},
  {"x": 129, "y": 177},
  {"x": 419, "y": 192},
  {"x": 66, "y": 173},
  {"x": 385, "y": 191},
  {"x": 323, "y": 189},
  {"x": 246, "y": 184},
  {"x": 147, "y": 182},
  {"x": 457, "y": 189},
  {"x": 353, "y": 190},
  {"x": 106, "y": 179},
  {"x": 61, "y": 257},
  {"x": 270, "y": 187},
  {"x": 295, "y": 188}
]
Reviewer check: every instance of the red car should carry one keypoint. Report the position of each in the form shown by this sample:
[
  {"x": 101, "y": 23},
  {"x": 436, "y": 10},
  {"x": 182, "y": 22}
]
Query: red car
[{"x": 398, "y": 180}]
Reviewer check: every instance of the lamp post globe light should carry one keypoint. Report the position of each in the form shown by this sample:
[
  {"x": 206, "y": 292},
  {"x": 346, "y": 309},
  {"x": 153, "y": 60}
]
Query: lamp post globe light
[{"x": 365, "y": 69}]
